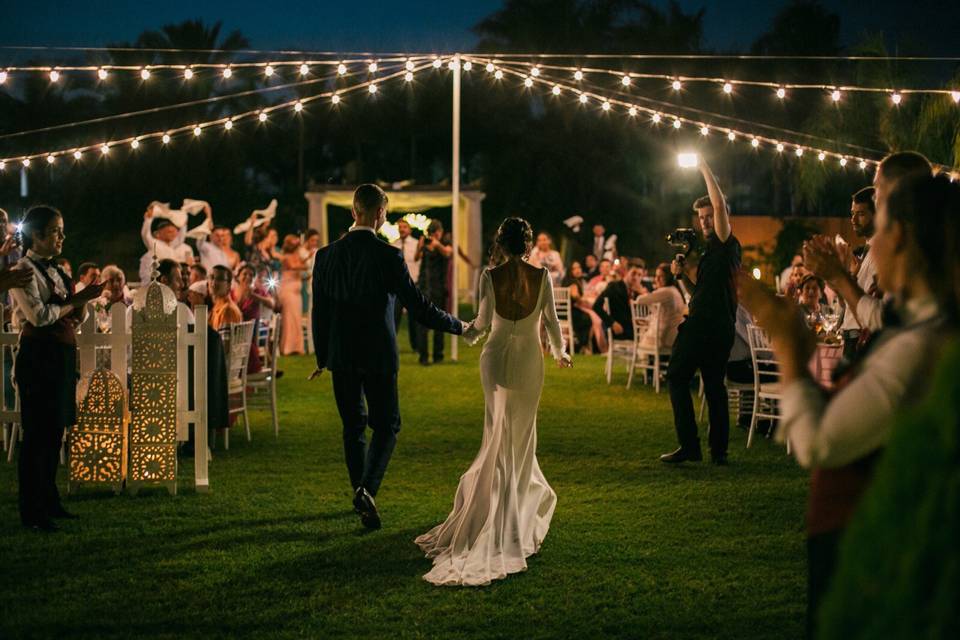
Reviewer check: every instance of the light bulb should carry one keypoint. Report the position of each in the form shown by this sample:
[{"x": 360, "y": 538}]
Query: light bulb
[
  {"x": 731, "y": 136},
  {"x": 953, "y": 94},
  {"x": 821, "y": 156},
  {"x": 372, "y": 67},
  {"x": 727, "y": 87},
  {"x": 134, "y": 144},
  {"x": 144, "y": 74},
  {"x": 228, "y": 125},
  {"x": 605, "y": 106},
  {"x": 77, "y": 155},
  {"x": 843, "y": 162},
  {"x": 489, "y": 67},
  {"x": 781, "y": 93},
  {"x": 677, "y": 124},
  {"x": 262, "y": 117},
  {"x": 268, "y": 70},
  {"x": 3, "y": 165},
  {"x": 304, "y": 69},
  {"x": 197, "y": 131},
  {"x": 583, "y": 98},
  {"x": 835, "y": 95},
  {"x": 754, "y": 143},
  {"x": 528, "y": 82},
  {"x": 677, "y": 85},
  {"x": 625, "y": 81},
  {"x": 372, "y": 88},
  {"x": 335, "y": 99},
  {"x": 102, "y": 73},
  {"x": 535, "y": 72},
  {"x": 228, "y": 72},
  {"x": 452, "y": 65},
  {"x": 467, "y": 65},
  {"x": 779, "y": 147},
  {"x": 863, "y": 164},
  {"x": 437, "y": 62},
  {"x": 408, "y": 76},
  {"x": 341, "y": 69},
  {"x": 556, "y": 90},
  {"x": 656, "y": 118},
  {"x": 498, "y": 74},
  {"x": 409, "y": 66},
  {"x": 51, "y": 159},
  {"x": 188, "y": 73},
  {"x": 166, "y": 138},
  {"x": 54, "y": 75},
  {"x": 298, "y": 106},
  {"x": 26, "y": 162},
  {"x": 896, "y": 98},
  {"x": 578, "y": 75},
  {"x": 3, "y": 77},
  {"x": 799, "y": 152},
  {"x": 104, "y": 149},
  {"x": 632, "y": 112}
]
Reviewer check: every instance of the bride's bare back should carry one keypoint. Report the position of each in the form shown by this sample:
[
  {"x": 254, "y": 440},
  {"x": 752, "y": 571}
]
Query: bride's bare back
[{"x": 516, "y": 287}]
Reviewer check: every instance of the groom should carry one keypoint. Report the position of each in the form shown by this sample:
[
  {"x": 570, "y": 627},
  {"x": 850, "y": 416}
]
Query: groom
[{"x": 356, "y": 283}]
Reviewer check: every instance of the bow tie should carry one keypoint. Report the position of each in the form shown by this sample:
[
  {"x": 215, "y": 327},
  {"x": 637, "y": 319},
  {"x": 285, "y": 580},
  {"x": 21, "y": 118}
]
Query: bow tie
[{"x": 46, "y": 263}]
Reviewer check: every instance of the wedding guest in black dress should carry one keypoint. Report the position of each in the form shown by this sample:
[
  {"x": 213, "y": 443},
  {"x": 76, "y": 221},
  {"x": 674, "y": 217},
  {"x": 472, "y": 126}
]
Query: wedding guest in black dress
[{"x": 47, "y": 312}]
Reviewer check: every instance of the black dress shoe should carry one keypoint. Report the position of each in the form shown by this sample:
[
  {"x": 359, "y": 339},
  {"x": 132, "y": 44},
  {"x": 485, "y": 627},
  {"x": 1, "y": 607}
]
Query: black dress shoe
[
  {"x": 63, "y": 514},
  {"x": 720, "y": 460},
  {"x": 681, "y": 455},
  {"x": 364, "y": 505},
  {"x": 43, "y": 524}
]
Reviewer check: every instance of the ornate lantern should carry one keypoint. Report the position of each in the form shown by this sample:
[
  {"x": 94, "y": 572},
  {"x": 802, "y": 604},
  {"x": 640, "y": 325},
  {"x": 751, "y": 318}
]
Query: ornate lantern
[
  {"x": 98, "y": 440},
  {"x": 153, "y": 394}
]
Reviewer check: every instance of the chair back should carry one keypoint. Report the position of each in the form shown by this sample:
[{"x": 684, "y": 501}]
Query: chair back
[
  {"x": 276, "y": 329},
  {"x": 237, "y": 339},
  {"x": 761, "y": 354},
  {"x": 561, "y": 297},
  {"x": 646, "y": 317}
]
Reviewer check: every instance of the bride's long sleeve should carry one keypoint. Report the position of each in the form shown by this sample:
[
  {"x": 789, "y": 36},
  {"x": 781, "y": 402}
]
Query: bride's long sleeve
[
  {"x": 481, "y": 323},
  {"x": 552, "y": 323}
]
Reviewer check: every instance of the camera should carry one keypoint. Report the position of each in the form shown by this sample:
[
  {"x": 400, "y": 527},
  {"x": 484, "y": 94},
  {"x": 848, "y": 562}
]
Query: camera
[{"x": 683, "y": 242}]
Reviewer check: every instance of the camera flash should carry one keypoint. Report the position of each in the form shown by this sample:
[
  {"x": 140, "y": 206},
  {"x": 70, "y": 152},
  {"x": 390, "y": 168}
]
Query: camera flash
[{"x": 687, "y": 160}]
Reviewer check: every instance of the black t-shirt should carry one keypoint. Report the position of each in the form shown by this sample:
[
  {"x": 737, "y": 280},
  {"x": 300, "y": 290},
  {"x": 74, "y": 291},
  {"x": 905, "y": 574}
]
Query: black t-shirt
[{"x": 714, "y": 298}]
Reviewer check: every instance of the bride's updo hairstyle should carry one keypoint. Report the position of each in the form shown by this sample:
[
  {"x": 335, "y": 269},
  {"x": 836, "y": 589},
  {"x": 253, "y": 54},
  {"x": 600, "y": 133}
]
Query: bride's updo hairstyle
[{"x": 515, "y": 237}]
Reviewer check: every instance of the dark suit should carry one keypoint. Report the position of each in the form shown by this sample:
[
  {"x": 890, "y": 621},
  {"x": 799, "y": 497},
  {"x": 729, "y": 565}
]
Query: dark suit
[
  {"x": 356, "y": 281},
  {"x": 618, "y": 297}
]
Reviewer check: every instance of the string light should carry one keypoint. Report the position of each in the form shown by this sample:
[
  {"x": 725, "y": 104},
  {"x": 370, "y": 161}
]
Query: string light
[
  {"x": 835, "y": 95},
  {"x": 197, "y": 131},
  {"x": 656, "y": 118},
  {"x": 298, "y": 107},
  {"x": 77, "y": 155},
  {"x": 863, "y": 164},
  {"x": 467, "y": 66},
  {"x": 408, "y": 66},
  {"x": 3, "y": 165},
  {"x": 166, "y": 138},
  {"x": 408, "y": 76},
  {"x": 227, "y": 73},
  {"x": 342, "y": 69},
  {"x": 335, "y": 99},
  {"x": 372, "y": 67},
  {"x": 262, "y": 116},
  {"x": 676, "y": 85},
  {"x": 135, "y": 143},
  {"x": 304, "y": 69},
  {"x": 144, "y": 74},
  {"x": 3, "y": 76},
  {"x": 583, "y": 98},
  {"x": 535, "y": 72},
  {"x": 605, "y": 106},
  {"x": 104, "y": 149},
  {"x": 372, "y": 88},
  {"x": 625, "y": 81},
  {"x": 102, "y": 73},
  {"x": 437, "y": 62},
  {"x": 799, "y": 152},
  {"x": 498, "y": 74},
  {"x": 188, "y": 73},
  {"x": 555, "y": 90},
  {"x": 54, "y": 75},
  {"x": 896, "y": 98},
  {"x": 843, "y": 162},
  {"x": 51, "y": 159},
  {"x": 527, "y": 82},
  {"x": 754, "y": 143},
  {"x": 731, "y": 136},
  {"x": 779, "y": 147},
  {"x": 676, "y": 124},
  {"x": 26, "y": 162},
  {"x": 781, "y": 93},
  {"x": 228, "y": 125},
  {"x": 727, "y": 88},
  {"x": 489, "y": 67},
  {"x": 578, "y": 75},
  {"x": 268, "y": 70},
  {"x": 632, "y": 112},
  {"x": 821, "y": 156},
  {"x": 704, "y": 130},
  {"x": 953, "y": 94}
]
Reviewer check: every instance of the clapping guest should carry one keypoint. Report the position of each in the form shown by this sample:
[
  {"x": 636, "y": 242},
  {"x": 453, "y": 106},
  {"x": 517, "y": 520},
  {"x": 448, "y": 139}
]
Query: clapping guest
[
  {"x": 598, "y": 283},
  {"x": 47, "y": 311},
  {"x": 291, "y": 304},
  {"x": 163, "y": 240},
  {"x": 216, "y": 249},
  {"x": 262, "y": 247},
  {"x": 916, "y": 250},
  {"x": 544, "y": 255}
]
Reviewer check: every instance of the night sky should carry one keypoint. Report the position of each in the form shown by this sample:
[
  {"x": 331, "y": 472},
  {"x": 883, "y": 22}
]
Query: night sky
[{"x": 425, "y": 25}]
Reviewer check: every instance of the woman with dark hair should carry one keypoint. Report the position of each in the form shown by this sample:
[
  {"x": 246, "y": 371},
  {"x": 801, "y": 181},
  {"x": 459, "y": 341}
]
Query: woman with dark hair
[
  {"x": 262, "y": 247},
  {"x": 503, "y": 505},
  {"x": 672, "y": 307},
  {"x": 291, "y": 302},
  {"x": 840, "y": 437},
  {"x": 47, "y": 312},
  {"x": 250, "y": 296}
]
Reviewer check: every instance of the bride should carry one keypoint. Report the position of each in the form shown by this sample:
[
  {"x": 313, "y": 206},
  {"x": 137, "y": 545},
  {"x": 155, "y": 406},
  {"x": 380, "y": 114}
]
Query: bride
[{"x": 503, "y": 506}]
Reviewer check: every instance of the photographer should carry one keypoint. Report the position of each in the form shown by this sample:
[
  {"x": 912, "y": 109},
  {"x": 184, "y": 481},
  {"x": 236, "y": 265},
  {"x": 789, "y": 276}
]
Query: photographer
[{"x": 706, "y": 336}]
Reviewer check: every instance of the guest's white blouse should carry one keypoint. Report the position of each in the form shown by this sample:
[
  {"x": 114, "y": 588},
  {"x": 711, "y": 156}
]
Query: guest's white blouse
[
  {"x": 830, "y": 432},
  {"x": 672, "y": 308}
]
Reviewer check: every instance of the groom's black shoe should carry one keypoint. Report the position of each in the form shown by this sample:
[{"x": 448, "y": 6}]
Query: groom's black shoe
[
  {"x": 364, "y": 505},
  {"x": 682, "y": 455}
]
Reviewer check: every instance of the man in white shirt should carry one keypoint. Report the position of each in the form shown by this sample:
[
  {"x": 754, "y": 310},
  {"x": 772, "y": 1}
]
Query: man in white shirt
[
  {"x": 408, "y": 246},
  {"x": 162, "y": 238}
]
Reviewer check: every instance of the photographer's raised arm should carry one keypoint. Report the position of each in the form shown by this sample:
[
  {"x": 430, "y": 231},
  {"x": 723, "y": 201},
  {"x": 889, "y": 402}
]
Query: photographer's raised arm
[{"x": 721, "y": 217}]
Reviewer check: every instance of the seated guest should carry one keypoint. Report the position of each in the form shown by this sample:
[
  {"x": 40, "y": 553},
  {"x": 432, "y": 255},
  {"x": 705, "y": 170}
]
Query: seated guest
[
  {"x": 544, "y": 255},
  {"x": 591, "y": 266},
  {"x": 582, "y": 323},
  {"x": 250, "y": 296},
  {"x": 598, "y": 283},
  {"x": 163, "y": 239},
  {"x": 223, "y": 310},
  {"x": 792, "y": 288},
  {"x": 618, "y": 295},
  {"x": 784, "y": 279},
  {"x": 811, "y": 290},
  {"x": 672, "y": 306},
  {"x": 840, "y": 437},
  {"x": 114, "y": 292},
  {"x": 198, "y": 273},
  {"x": 89, "y": 273}
]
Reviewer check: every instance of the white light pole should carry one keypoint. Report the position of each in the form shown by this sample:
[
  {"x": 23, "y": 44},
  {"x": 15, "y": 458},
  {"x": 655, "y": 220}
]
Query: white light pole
[{"x": 455, "y": 206}]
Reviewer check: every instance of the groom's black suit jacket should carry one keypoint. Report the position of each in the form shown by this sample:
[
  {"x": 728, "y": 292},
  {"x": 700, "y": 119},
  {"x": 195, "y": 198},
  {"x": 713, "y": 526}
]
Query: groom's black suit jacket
[{"x": 356, "y": 281}]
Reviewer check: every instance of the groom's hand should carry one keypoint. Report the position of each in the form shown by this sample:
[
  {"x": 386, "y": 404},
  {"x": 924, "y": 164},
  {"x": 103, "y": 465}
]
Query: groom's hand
[{"x": 316, "y": 374}]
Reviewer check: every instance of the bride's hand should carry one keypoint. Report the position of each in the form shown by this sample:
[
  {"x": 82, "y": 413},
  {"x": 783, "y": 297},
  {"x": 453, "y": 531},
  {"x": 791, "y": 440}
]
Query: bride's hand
[{"x": 565, "y": 362}]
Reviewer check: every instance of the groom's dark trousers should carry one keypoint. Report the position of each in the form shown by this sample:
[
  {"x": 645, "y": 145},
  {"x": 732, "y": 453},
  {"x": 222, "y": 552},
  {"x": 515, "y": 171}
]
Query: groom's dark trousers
[{"x": 356, "y": 283}]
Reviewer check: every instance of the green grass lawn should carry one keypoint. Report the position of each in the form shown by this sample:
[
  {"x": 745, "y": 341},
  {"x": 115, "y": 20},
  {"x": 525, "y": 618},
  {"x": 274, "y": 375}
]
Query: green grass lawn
[{"x": 635, "y": 550}]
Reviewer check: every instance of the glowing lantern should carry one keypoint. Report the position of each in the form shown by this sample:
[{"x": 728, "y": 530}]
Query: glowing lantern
[{"x": 98, "y": 440}]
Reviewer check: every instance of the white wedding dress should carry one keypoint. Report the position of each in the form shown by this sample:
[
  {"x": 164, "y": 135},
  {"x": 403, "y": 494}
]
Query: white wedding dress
[{"x": 503, "y": 506}]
